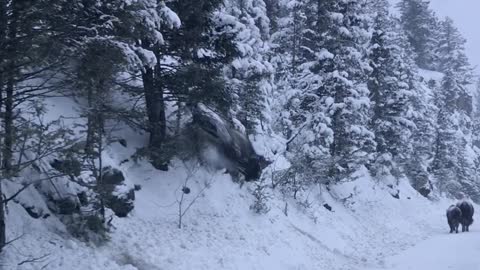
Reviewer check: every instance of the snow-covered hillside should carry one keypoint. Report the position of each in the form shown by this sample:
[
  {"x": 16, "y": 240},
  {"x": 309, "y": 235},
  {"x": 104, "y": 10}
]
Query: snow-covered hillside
[
  {"x": 220, "y": 232},
  {"x": 226, "y": 134},
  {"x": 367, "y": 224}
]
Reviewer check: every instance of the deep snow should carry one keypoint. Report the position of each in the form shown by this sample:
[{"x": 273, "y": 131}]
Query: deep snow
[{"x": 366, "y": 228}]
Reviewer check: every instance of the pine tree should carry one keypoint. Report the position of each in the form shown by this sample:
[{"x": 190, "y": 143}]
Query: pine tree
[
  {"x": 423, "y": 113},
  {"x": 476, "y": 116},
  {"x": 99, "y": 64},
  {"x": 345, "y": 91},
  {"x": 451, "y": 49},
  {"x": 454, "y": 160},
  {"x": 28, "y": 41},
  {"x": 288, "y": 38},
  {"x": 250, "y": 73},
  {"x": 135, "y": 29},
  {"x": 287, "y": 59},
  {"x": 391, "y": 92},
  {"x": 149, "y": 19},
  {"x": 328, "y": 110},
  {"x": 189, "y": 70},
  {"x": 198, "y": 50},
  {"x": 304, "y": 118},
  {"x": 420, "y": 23}
]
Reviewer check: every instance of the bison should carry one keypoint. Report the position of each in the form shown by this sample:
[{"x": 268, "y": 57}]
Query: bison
[
  {"x": 223, "y": 145},
  {"x": 467, "y": 214},
  {"x": 454, "y": 217}
]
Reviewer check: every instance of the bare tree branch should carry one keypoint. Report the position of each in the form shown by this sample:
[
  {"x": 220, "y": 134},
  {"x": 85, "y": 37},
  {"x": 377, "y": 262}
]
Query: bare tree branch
[
  {"x": 14, "y": 239},
  {"x": 5, "y": 201}
]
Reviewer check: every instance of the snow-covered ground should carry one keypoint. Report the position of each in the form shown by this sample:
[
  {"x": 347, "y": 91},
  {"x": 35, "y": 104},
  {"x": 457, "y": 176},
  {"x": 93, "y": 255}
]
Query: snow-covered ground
[
  {"x": 367, "y": 226},
  {"x": 441, "y": 252},
  {"x": 221, "y": 232}
]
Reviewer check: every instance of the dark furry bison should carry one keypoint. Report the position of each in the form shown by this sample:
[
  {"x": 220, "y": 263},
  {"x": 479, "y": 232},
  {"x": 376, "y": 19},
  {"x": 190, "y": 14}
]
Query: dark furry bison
[
  {"x": 229, "y": 148},
  {"x": 454, "y": 217},
  {"x": 467, "y": 214}
]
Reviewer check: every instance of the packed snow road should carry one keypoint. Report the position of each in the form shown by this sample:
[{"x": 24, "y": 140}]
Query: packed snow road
[{"x": 446, "y": 251}]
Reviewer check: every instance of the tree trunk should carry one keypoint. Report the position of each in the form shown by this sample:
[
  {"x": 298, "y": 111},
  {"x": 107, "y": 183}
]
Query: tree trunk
[
  {"x": 10, "y": 73},
  {"x": 3, "y": 31},
  {"x": 155, "y": 104},
  {"x": 90, "y": 142},
  {"x": 8, "y": 127},
  {"x": 3, "y": 239}
]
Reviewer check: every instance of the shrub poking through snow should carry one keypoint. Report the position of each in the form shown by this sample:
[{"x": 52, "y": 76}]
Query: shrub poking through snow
[
  {"x": 260, "y": 193},
  {"x": 87, "y": 227},
  {"x": 186, "y": 199},
  {"x": 70, "y": 167}
]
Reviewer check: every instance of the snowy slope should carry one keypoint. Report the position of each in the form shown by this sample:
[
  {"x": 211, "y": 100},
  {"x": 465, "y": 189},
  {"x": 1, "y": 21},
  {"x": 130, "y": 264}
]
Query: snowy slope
[{"x": 221, "y": 232}]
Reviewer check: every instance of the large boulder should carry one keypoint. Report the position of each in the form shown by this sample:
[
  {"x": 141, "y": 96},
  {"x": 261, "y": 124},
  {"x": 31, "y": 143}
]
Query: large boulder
[
  {"x": 116, "y": 194},
  {"x": 71, "y": 167},
  {"x": 121, "y": 200},
  {"x": 67, "y": 205}
]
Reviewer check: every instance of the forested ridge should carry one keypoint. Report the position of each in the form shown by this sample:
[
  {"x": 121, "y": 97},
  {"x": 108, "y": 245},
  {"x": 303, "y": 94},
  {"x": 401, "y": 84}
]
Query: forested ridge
[{"x": 333, "y": 86}]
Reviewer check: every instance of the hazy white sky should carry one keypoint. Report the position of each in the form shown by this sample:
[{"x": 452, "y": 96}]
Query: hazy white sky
[{"x": 466, "y": 14}]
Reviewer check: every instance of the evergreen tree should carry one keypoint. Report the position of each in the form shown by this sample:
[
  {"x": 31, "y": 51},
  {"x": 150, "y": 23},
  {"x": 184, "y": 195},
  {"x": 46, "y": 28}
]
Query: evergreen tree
[
  {"x": 476, "y": 116},
  {"x": 329, "y": 110},
  {"x": 194, "y": 56},
  {"x": 288, "y": 38},
  {"x": 304, "y": 118},
  {"x": 451, "y": 49},
  {"x": 287, "y": 59},
  {"x": 454, "y": 158},
  {"x": 345, "y": 91},
  {"x": 189, "y": 70},
  {"x": 420, "y": 23},
  {"x": 423, "y": 113},
  {"x": 148, "y": 17},
  {"x": 99, "y": 64},
  {"x": 391, "y": 92},
  {"x": 29, "y": 61},
  {"x": 250, "y": 73}
]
